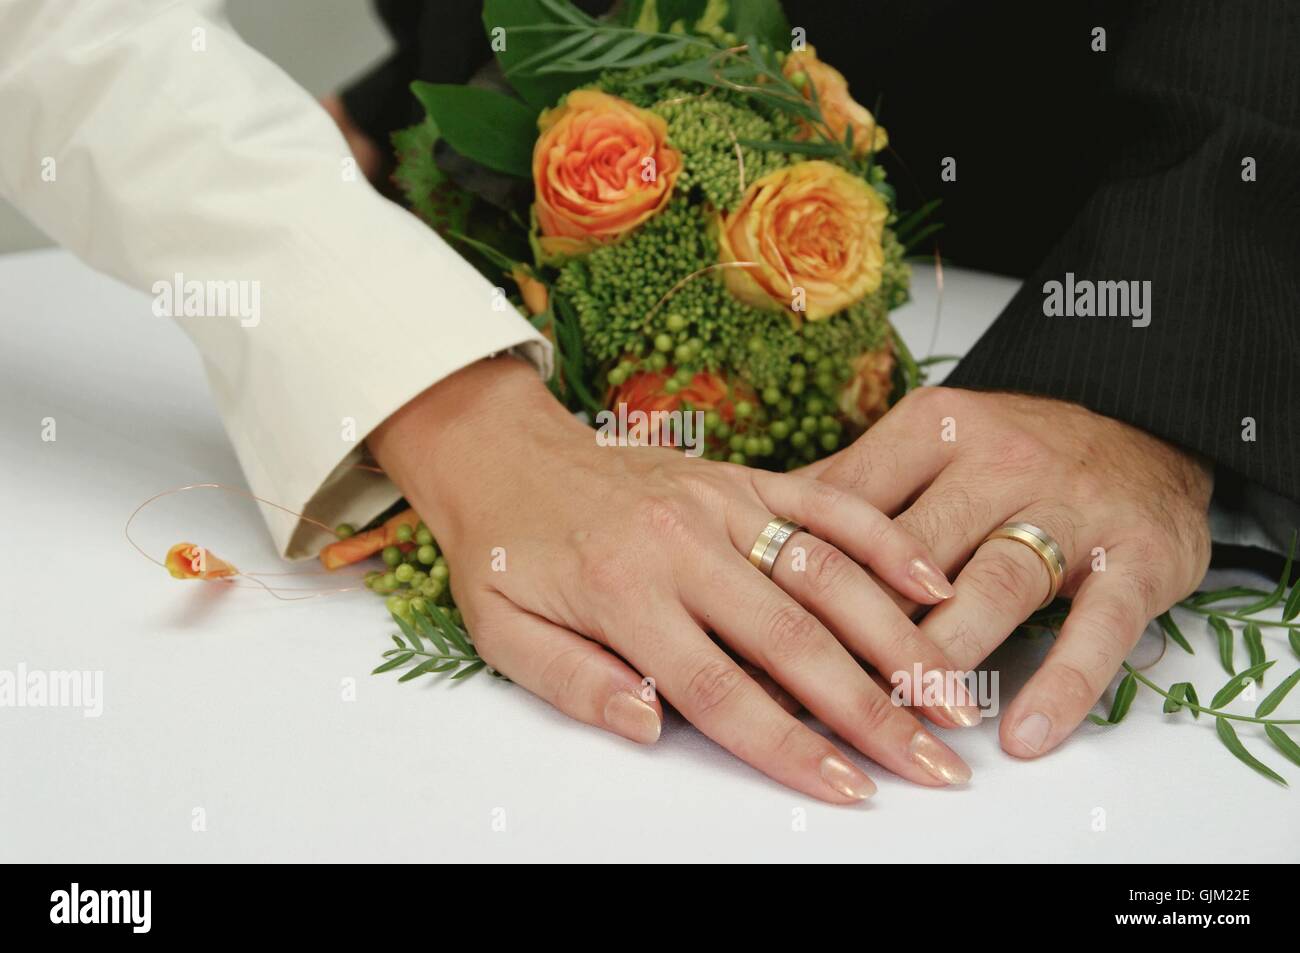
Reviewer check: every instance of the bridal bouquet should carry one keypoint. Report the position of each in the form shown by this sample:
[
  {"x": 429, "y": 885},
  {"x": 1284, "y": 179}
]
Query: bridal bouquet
[{"x": 687, "y": 202}]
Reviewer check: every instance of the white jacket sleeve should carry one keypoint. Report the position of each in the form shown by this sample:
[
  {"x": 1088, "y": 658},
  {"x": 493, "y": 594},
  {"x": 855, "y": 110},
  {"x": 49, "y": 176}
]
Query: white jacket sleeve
[{"x": 148, "y": 138}]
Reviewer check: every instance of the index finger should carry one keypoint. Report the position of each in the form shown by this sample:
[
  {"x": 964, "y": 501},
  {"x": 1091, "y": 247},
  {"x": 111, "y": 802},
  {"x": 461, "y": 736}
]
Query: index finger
[{"x": 897, "y": 458}]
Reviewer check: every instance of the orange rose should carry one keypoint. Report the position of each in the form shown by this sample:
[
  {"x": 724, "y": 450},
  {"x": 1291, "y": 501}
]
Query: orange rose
[
  {"x": 601, "y": 167},
  {"x": 813, "y": 233},
  {"x": 708, "y": 390},
  {"x": 865, "y": 398},
  {"x": 840, "y": 110}
]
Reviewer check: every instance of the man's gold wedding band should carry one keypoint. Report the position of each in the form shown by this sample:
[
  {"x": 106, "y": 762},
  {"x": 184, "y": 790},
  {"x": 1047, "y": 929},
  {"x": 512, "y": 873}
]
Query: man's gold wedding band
[
  {"x": 768, "y": 545},
  {"x": 1048, "y": 550}
]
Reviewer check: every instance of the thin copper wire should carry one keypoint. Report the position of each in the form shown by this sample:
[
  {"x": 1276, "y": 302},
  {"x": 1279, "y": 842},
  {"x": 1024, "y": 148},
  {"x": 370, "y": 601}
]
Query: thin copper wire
[{"x": 253, "y": 577}]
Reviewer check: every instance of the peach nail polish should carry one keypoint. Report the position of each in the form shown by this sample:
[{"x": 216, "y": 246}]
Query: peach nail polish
[
  {"x": 931, "y": 579},
  {"x": 968, "y": 716},
  {"x": 632, "y": 718},
  {"x": 844, "y": 778},
  {"x": 938, "y": 760}
]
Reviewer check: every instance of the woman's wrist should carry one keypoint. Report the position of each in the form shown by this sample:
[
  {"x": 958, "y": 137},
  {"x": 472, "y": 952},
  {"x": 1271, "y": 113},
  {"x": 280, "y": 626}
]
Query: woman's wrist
[{"x": 442, "y": 446}]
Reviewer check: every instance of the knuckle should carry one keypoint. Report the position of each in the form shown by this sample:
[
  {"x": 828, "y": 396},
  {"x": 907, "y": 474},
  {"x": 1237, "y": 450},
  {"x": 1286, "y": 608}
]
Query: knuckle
[
  {"x": 1018, "y": 452},
  {"x": 1111, "y": 616},
  {"x": 792, "y": 634},
  {"x": 903, "y": 640},
  {"x": 712, "y": 684},
  {"x": 1073, "y": 683},
  {"x": 1146, "y": 589},
  {"x": 610, "y": 575},
  {"x": 875, "y": 710},
  {"x": 822, "y": 497},
  {"x": 1089, "y": 489},
  {"x": 561, "y": 679},
  {"x": 827, "y": 569},
  {"x": 659, "y": 517},
  {"x": 954, "y": 512},
  {"x": 931, "y": 400},
  {"x": 997, "y": 577},
  {"x": 788, "y": 740},
  {"x": 487, "y": 642}
]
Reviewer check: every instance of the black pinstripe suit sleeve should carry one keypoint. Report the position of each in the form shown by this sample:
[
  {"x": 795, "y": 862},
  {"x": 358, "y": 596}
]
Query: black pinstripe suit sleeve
[{"x": 1198, "y": 88}]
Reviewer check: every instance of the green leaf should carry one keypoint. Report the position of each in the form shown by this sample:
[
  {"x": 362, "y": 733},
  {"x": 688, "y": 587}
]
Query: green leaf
[
  {"x": 913, "y": 219},
  {"x": 1171, "y": 629},
  {"x": 1230, "y": 741},
  {"x": 394, "y": 662},
  {"x": 470, "y": 669},
  {"x": 1282, "y": 741},
  {"x": 406, "y": 630},
  {"x": 397, "y": 640},
  {"x": 441, "y": 203},
  {"x": 1273, "y": 597},
  {"x": 482, "y": 125},
  {"x": 916, "y": 238},
  {"x": 1254, "y": 640},
  {"x": 764, "y": 19},
  {"x": 1202, "y": 599},
  {"x": 1123, "y": 698},
  {"x": 427, "y": 666},
  {"x": 525, "y": 24},
  {"x": 1274, "y": 698},
  {"x": 605, "y": 51},
  {"x": 1293, "y": 637},
  {"x": 1098, "y": 720},
  {"x": 450, "y": 630},
  {"x": 1224, "y": 634},
  {"x": 425, "y": 624},
  {"x": 1235, "y": 685},
  {"x": 789, "y": 146},
  {"x": 1177, "y": 696},
  {"x": 564, "y": 10},
  {"x": 1292, "y": 604},
  {"x": 1191, "y": 697}
]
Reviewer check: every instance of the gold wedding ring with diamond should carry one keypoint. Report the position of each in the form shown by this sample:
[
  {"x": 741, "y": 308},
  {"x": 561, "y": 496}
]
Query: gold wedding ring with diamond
[
  {"x": 1046, "y": 548},
  {"x": 768, "y": 545}
]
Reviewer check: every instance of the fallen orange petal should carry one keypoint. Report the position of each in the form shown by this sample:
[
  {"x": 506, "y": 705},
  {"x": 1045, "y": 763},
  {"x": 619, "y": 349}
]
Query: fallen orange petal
[{"x": 188, "y": 561}]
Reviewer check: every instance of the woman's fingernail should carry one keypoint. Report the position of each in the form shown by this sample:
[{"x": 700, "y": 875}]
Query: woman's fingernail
[
  {"x": 968, "y": 716},
  {"x": 1033, "y": 730},
  {"x": 845, "y": 779},
  {"x": 938, "y": 760},
  {"x": 930, "y": 578},
  {"x": 632, "y": 718}
]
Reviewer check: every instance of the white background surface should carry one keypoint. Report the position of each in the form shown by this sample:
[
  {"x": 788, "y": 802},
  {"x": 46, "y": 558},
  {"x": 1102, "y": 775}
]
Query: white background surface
[{"x": 231, "y": 701}]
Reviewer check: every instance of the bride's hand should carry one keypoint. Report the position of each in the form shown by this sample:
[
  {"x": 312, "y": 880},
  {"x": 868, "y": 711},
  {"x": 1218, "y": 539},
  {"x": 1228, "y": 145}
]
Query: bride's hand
[{"x": 580, "y": 569}]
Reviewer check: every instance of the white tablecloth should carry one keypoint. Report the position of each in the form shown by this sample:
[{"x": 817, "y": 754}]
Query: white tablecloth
[{"x": 225, "y": 711}]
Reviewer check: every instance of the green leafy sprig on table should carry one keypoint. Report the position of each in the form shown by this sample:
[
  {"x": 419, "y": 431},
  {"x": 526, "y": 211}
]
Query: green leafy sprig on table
[
  {"x": 1220, "y": 606},
  {"x": 449, "y": 651}
]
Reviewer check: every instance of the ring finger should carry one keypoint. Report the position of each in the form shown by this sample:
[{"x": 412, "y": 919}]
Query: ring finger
[{"x": 1001, "y": 586}]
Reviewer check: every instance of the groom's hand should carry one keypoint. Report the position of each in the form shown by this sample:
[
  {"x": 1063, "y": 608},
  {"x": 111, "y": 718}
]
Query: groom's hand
[{"x": 1128, "y": 510}]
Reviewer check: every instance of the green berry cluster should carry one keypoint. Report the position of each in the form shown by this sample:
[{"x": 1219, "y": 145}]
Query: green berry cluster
[{"x": 414, "y": 578}]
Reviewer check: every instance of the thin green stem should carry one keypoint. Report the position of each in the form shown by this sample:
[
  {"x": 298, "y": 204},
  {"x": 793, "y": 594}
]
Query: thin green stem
[
  {"x": 1238, "y": 617},
  {"x": 449, "y": 658},
  {"x": 1209, "y": 711}
]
